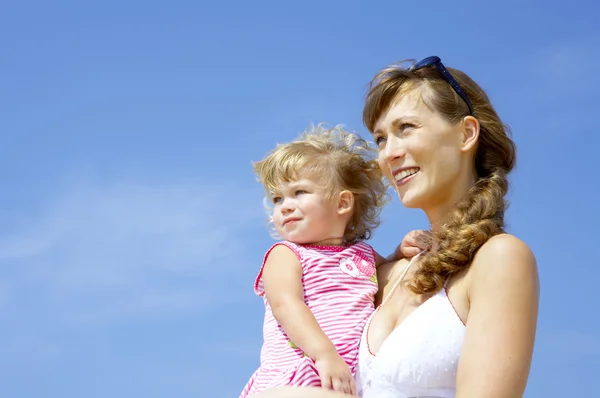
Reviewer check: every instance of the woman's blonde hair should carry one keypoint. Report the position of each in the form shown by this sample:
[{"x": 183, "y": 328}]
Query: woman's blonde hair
[
  {"x": 339, "y": 159},
  {"x": 480, "y": 215}
]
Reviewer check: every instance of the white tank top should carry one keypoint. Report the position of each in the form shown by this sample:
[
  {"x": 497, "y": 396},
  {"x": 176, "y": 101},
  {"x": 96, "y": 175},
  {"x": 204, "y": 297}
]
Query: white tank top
[{"x": 420, "y": 356}]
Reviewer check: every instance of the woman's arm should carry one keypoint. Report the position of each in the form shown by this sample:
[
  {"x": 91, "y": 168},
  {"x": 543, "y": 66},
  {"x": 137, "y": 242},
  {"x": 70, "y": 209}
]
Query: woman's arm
[
  {"x": 299, "y": 392},
  {"x": 501, "y": 325},
  {"x": 282, "y": 280}
]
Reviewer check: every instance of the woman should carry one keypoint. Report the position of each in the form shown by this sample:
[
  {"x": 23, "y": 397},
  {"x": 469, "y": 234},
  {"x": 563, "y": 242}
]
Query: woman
[{"x": 458, "y": 320}]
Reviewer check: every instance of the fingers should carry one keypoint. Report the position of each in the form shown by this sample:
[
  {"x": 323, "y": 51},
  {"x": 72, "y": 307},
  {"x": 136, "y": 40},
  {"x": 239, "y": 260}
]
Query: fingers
[
  {"x": 414, "y": 234},
  {"x": 423, "y": 237},
  {"x": 411, "y": 251},
  {"x": 338, "y": 384},
  {"x": 326, "y": 382},
  {"x": 335, "y": 374},
  {"x": 416, "y": 238},
  {"x": 414, "y": 242},
  {"x": 345, "y": 385}
]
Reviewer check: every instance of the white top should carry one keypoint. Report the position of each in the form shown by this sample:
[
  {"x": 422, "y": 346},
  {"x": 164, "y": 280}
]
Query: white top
[{"x": 420, "y": 356}]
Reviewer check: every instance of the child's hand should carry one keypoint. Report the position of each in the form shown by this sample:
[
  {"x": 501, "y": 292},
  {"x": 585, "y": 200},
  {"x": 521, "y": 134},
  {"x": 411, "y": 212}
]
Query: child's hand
[
  {"x": 335, "y": 373},
  {"x": 413, "y": 243}
]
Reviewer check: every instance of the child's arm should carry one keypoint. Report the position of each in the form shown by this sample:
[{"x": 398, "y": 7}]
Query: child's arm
[{"x": 282, "y": 281}]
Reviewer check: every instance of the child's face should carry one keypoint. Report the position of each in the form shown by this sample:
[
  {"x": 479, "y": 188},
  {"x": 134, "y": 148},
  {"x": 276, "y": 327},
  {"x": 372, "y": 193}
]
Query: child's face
[{"x": 304, "y": 214}]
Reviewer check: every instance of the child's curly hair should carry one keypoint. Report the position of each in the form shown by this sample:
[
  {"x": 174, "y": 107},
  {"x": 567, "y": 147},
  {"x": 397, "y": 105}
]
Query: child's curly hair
[{"x": 339, "y": 159}]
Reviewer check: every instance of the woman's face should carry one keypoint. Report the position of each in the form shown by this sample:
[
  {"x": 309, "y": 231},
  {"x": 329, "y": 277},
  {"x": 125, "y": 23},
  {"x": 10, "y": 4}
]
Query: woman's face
[{"x": 420, "y": 152}]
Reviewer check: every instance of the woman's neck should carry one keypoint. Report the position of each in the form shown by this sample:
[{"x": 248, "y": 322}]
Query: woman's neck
[{"x": 439, "y": 212}]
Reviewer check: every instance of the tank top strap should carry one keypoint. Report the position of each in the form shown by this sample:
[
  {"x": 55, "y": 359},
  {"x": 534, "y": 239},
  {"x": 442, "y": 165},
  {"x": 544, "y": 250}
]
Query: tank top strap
[
  {"x": 446, "y": 282},
  {"x": 400, "y": 279}
]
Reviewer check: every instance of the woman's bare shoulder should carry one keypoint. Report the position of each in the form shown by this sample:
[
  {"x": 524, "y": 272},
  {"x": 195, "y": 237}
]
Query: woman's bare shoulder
[
  {"x": 504, "y": 259},
  {"x": 387, "y": 274}
]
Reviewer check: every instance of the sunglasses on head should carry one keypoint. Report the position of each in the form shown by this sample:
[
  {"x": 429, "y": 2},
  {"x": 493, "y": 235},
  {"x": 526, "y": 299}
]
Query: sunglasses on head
[{"x": 436, "y": 62}]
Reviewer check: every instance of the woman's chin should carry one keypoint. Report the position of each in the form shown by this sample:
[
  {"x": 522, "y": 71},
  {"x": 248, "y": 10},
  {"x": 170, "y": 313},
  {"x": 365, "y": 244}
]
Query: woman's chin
[{"x": 409, "y": 201}]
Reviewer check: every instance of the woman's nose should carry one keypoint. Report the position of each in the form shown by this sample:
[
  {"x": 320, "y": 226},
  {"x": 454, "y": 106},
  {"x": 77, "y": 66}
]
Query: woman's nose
[{"x": 392, "y": 151}]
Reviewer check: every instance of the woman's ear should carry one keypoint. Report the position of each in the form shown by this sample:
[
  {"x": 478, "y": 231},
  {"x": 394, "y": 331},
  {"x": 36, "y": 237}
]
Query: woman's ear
[
  {"x": 345, "y": 202},
  {"x": 470, "y": 133}
]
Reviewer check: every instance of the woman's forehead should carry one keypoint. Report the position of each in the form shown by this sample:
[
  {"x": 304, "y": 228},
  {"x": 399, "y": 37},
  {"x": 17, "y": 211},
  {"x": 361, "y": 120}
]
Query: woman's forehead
[{"x": 408, "y": 107}]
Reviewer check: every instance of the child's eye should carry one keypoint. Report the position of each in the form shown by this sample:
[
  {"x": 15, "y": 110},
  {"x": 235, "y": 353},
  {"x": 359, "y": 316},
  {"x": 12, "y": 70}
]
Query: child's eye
[
  {"x": 276, "y": 199},
  {"x": 300, "y": 192}
]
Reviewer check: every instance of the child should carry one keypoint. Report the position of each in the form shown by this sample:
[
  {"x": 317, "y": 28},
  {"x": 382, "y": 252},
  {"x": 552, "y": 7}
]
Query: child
[{"x": 318, "y": 283}]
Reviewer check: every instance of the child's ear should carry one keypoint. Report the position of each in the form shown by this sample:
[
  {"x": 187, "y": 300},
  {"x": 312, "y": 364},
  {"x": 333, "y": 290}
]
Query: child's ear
[{"x": 345, "y": 202}]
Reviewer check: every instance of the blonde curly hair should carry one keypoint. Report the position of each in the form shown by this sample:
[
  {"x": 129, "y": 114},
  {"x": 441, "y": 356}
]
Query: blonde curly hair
[
  {"x": 339, "y": 159},
  {"x": 480, "y": 215}
]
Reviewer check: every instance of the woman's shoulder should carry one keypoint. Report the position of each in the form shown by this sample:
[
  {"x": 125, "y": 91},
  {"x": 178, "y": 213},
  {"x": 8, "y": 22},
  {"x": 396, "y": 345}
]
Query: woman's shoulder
[
  {"x": 503, "y": 259},
  {"x": 504, "y": 248},
  {"x": 387, "y": 274},
  {"x": 391, "y": 270}
]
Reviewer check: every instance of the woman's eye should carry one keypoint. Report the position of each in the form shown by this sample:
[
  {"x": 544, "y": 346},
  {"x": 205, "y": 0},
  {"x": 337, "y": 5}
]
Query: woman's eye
[
  {"x": 380, "y": 141},
  {"x": 406, "y": 126}
]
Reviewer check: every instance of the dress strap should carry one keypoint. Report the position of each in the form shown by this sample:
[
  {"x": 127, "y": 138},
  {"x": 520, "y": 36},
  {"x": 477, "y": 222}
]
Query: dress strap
[
  {"x": 412, "y": 260},
  {"x": 446, "y": 282}
]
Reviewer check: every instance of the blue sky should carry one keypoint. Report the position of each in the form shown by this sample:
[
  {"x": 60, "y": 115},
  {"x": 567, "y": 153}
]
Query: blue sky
[{"x": 132, "y": 227}]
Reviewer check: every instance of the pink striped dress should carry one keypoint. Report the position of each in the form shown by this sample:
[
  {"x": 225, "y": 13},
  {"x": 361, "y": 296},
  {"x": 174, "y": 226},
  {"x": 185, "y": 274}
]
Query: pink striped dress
[{"x": 339, "y": 288}]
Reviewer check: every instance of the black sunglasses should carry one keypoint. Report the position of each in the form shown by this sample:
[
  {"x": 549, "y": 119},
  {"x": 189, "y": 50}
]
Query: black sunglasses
[{"x": 437, "y": 63}]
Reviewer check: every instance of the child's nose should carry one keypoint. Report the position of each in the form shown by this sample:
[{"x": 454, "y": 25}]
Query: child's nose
[{"x": 287, "y": 206}]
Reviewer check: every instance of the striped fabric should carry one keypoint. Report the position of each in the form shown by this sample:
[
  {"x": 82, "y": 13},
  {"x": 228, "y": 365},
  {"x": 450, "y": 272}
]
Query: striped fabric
[{"x": 339, "y": 288}]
